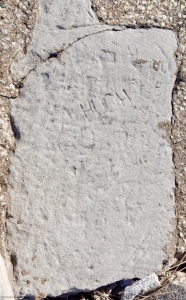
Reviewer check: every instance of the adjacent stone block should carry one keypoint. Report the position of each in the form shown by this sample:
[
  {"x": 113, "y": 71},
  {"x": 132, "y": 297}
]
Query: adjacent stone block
[
  {"x": 91, "y": 178},
  {"x": 143, "y": 286},
  {"x": 5, "y": 287}
]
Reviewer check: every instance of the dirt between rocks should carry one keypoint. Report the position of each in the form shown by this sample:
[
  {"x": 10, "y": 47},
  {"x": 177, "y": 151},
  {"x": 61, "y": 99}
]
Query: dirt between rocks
[{"x": 17, "y": 21}]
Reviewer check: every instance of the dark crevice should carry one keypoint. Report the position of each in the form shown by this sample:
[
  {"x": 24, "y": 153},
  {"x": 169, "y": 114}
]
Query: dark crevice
[
  {"x": 15, "y": 129},
  {"x": 13, "y": 259},
  {"x": 57, "y": 53},
  {"x": 113, "y": 291},
  {"x": 52, "y": 55},
  {"x": 179, "y": 77},
  {"x": 61, "y": 27}
]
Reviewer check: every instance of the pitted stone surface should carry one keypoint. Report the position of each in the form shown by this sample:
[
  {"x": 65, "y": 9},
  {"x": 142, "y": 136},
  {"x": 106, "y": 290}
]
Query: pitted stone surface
[{"x": 91, "y": 178}]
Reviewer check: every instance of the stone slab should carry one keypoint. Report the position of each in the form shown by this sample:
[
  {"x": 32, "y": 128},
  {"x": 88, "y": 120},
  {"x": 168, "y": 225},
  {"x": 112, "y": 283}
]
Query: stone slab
[
  {"x": 59, "y": 23},
  {"x": 5, "y": 287},
  {"x": 91, "y": 179},
  {"x": 148, "y": 284}
]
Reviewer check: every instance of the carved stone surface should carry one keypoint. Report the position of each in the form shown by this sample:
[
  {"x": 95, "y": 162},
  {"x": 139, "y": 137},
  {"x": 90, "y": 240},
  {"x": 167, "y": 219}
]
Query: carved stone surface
[{"x": 91, "y": 178}]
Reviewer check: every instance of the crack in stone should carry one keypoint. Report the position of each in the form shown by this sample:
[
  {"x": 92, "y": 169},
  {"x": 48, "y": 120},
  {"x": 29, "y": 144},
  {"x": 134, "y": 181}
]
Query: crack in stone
[{"x": 57, "y": 55}]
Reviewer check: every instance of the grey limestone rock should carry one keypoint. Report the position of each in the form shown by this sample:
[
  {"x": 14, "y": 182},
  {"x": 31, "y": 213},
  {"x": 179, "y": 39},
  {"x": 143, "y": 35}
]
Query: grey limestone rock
[
  {"x": 91, "y": 178},
  {"x": 5, "y": 287},
  {"x": 145, "y": 285}
]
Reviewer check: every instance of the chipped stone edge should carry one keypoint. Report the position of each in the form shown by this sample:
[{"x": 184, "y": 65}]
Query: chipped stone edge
[{"x": 7, "y": 144}]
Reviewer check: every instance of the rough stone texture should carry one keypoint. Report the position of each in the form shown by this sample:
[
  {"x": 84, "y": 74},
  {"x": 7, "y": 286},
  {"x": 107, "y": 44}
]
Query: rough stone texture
[
  {"x": 170, "y": 292},
  {"x": 148, "y": 284},
  {"x": 91, "y": 177},
  {"x": 16, "y": 25},
  {"x": 170, "y": 15},
  {"x": 18, "y": 18},
  {"x": 5, "y": 288}
]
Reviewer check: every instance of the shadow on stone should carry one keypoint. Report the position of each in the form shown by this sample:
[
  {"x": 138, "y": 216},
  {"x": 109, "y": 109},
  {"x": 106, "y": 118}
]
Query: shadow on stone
[{"x": 15, "y": 129}]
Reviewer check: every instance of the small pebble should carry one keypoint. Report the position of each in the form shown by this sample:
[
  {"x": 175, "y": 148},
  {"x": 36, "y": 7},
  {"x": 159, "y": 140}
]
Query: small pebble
[
  {"x": 1, "y": 197},
  {"x": 141, "y": 7},
  {"x": 4, "y": 32},
  {"x": 3, "y": 5},
  {"x": 5, "y": 46},
  {"x": 181, "y": 234}
]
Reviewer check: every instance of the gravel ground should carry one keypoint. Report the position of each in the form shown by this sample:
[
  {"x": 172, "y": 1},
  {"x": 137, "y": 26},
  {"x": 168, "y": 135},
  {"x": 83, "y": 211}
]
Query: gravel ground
[{"x": 17, "y": 21}]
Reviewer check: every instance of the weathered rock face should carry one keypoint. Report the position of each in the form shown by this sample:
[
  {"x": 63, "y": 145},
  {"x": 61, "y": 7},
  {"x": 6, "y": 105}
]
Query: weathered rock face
[
  {"x": 91, "y": 178},
  {"x": 5, "y": 287}
]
